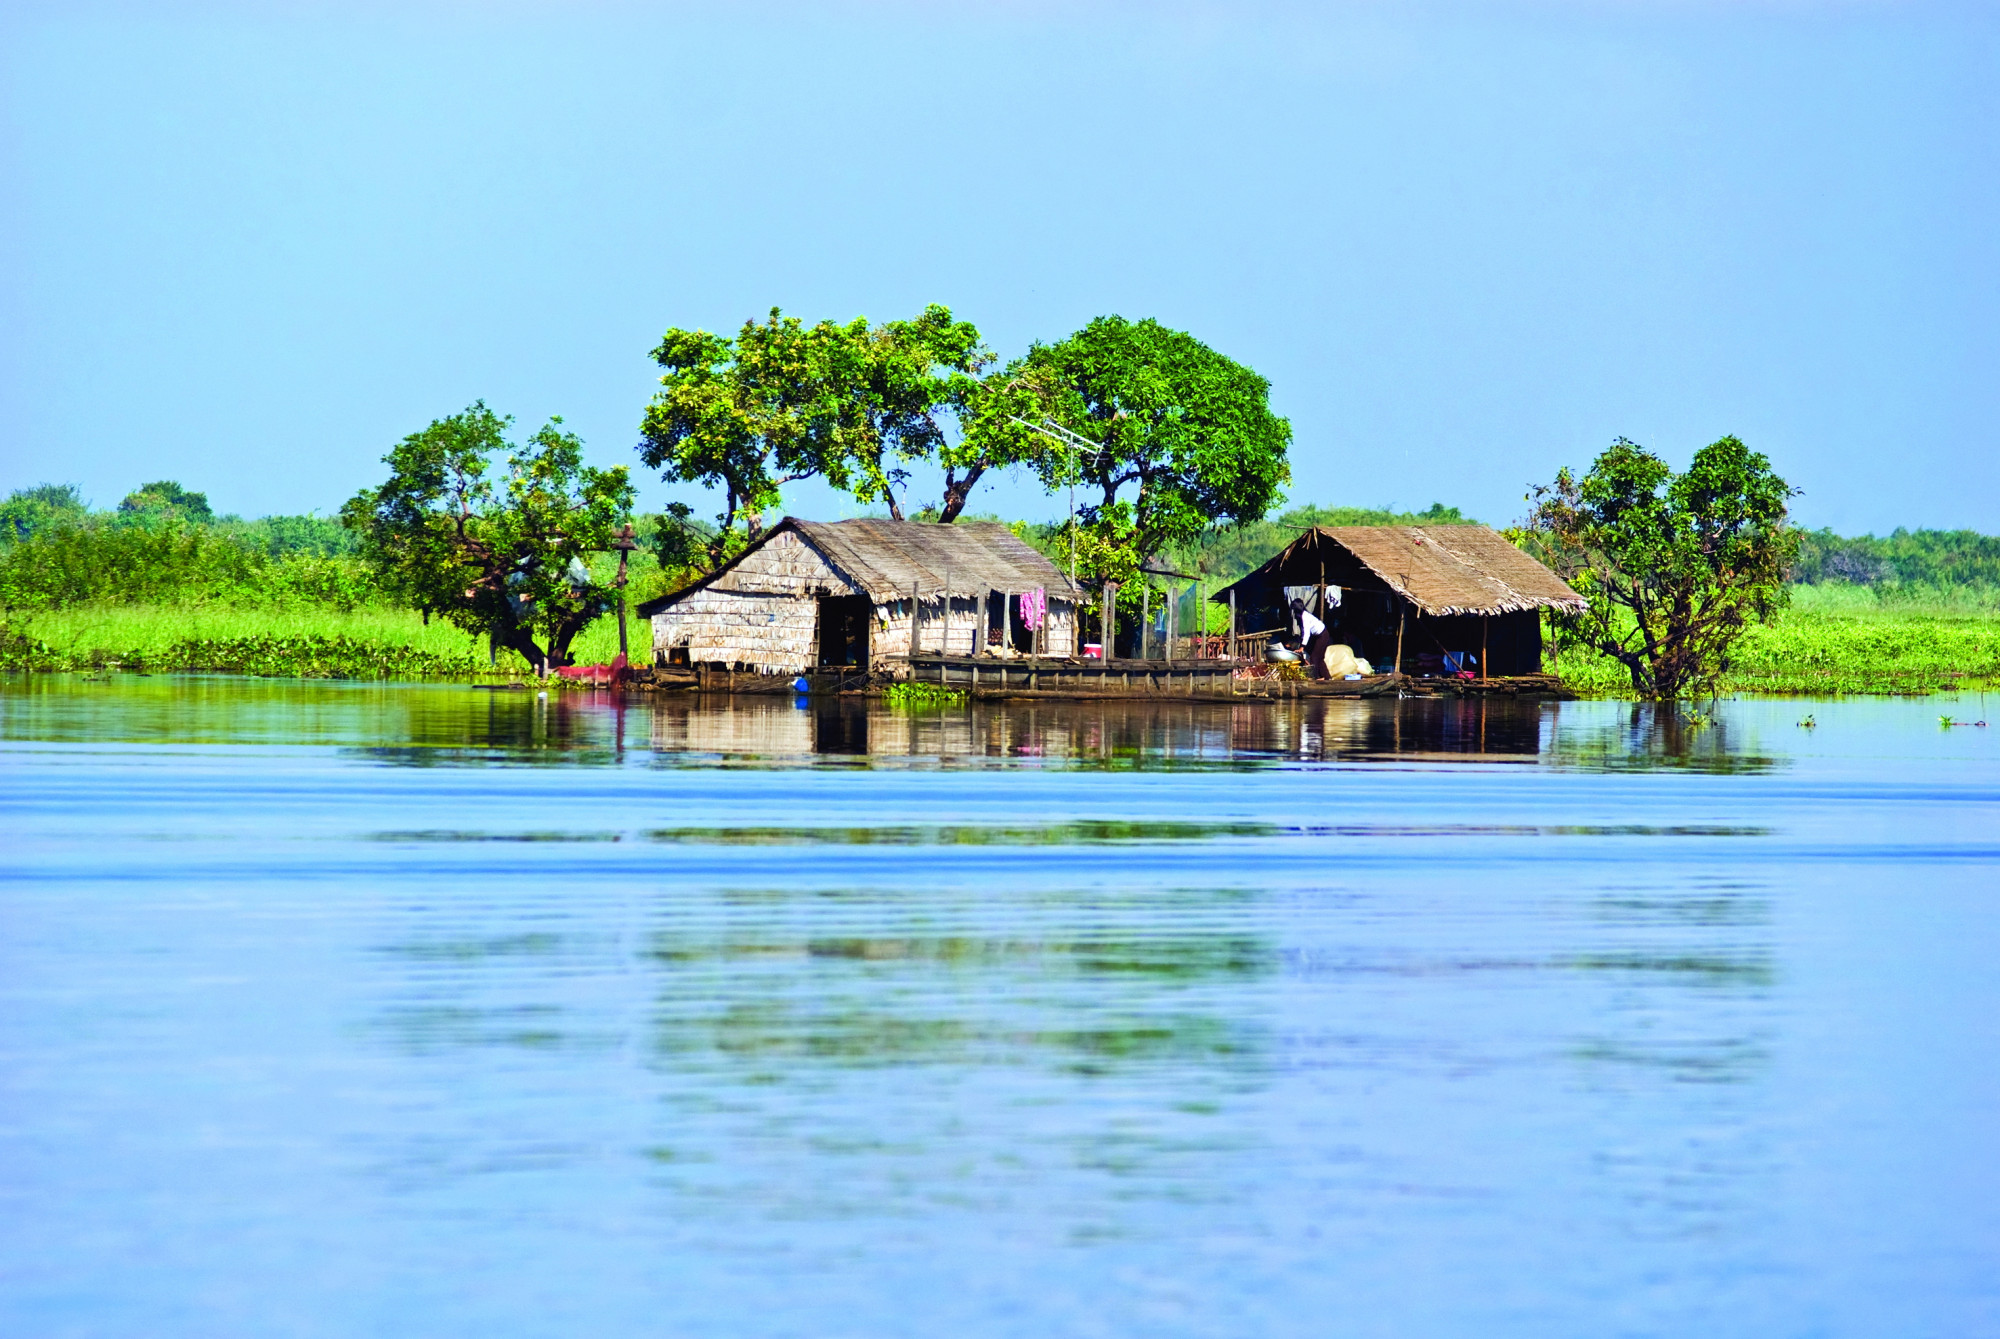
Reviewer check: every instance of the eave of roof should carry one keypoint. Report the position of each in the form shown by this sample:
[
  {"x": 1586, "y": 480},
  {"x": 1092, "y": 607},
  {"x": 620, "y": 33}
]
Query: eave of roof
[
  {"x": 1442, "y": 570},
  {"x": 886, "y": 559}
]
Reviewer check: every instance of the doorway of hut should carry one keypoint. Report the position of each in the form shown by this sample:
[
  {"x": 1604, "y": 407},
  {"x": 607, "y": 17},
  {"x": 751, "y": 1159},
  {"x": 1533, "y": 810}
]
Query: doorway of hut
[
  {"x": 1003, "y": 623},
  {"x": 843, "y": 630}
]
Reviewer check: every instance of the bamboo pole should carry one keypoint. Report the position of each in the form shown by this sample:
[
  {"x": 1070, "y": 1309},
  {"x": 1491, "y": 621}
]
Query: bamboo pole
[
  {"x": 1402, "y": 613},
  {"x": 1232, "y": 623},
  {"x": 624, "y": 543}
]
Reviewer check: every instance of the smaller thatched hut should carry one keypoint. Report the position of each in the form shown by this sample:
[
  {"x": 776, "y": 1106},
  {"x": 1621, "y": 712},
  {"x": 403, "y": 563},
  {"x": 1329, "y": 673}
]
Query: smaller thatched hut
[
  {"x": 861, "y": 594},
  {"x": 1425, "y": 599}
]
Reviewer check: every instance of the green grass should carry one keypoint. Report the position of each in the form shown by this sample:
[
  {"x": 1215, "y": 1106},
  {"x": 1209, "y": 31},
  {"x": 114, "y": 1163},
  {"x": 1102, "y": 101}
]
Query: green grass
[
  {"x": 1836, "y": 640},
  {"x": 308, "y": 642},
  {"x": 1833, "y": 640}
]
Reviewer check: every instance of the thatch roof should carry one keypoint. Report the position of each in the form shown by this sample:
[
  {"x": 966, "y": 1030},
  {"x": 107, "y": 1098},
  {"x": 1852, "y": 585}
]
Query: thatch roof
[
  {"x": 885, "y": 559},
  {"x": 1441, "y": 569}
]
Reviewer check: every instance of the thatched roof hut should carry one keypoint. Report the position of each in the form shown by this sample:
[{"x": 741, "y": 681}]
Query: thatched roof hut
[
  {"x": 1446, "y": 591},
  {"x": 884, "y": 558},
  {"x": 1438, "y": 569},
  {"x": 846, "y": 594}
]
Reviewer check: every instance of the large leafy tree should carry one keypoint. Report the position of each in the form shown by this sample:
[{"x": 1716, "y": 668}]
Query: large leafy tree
[
  {"x": 504, "y": 556},
  {"x": 856, "y": 403},
  {"x": 165, "y": 499},
  {"x": 1675, "y": 566},
  {"x": 881, "y": 400},
  {"x": 1185, "y": 437},
  {"x": 734, "y": 414}
]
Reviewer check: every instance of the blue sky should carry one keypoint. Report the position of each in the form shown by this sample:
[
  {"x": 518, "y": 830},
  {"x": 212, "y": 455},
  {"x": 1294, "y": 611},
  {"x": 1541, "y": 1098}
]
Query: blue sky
[{"x": 250, "y": 247}]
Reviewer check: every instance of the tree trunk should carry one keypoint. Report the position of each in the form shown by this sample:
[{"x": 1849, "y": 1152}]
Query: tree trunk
[
  {"x": 517, "y": 639},
  {"x": 956, "y": 492}
]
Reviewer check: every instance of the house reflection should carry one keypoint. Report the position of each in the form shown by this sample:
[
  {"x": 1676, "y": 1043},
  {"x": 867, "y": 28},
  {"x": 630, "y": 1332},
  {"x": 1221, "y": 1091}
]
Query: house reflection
[{"x": 1103, "y": 731}]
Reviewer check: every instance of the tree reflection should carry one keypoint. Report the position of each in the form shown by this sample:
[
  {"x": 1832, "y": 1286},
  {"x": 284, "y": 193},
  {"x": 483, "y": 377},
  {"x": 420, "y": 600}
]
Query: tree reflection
[{"x": 1084, "y": 997}]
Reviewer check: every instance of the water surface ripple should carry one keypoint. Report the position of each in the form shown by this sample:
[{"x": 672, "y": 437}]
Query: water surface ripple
[{"x": 356, "y": 1010}]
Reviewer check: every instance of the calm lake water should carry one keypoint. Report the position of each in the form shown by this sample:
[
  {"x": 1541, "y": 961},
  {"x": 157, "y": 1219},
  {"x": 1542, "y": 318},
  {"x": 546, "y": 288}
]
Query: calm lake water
[{"x": 360, "y": 1010}]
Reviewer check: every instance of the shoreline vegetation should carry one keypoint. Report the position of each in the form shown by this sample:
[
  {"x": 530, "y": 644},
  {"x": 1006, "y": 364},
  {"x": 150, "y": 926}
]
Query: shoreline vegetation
[
  {"x": 168, "y": 589},
  {"x": 1832, "y": 641}
]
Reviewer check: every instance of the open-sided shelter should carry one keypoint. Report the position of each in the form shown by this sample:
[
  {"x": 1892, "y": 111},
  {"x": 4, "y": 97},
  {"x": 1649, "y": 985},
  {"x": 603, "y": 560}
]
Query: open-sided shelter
[
  {"x": 856, "y": 594},
  {"x": 1448, "y": 596}
]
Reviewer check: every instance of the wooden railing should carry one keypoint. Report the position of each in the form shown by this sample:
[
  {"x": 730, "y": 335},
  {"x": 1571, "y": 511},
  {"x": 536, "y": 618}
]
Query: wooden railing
[{"x": 1250, "y": 645}]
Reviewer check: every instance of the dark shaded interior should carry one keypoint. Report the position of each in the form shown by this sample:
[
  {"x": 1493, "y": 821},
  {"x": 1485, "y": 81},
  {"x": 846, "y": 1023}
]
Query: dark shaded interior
[
  {"x": 843, "y": 630},
  {"x": 1369, "y": 613}
]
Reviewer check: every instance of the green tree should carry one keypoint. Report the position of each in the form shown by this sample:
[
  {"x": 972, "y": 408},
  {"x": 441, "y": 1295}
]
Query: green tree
[
  {"x": 734, "y": 414},
  {"x": 1675, "y": 566},
  {"x": 167, "y": 499},
  {"x": 880, "y": 403},
  {"x": 1187, "y": 431},
  {"x": 28, "y": 511},
  {"x": 679, "y": 543},
  {"x": 507, "y": 560},
  {"x": 857, "y": 404}
]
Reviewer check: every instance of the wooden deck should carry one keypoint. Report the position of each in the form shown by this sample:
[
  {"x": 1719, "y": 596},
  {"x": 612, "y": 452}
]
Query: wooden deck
[{"x": 991, "y": 678}]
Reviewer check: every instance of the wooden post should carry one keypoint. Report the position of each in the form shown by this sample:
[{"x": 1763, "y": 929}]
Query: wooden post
[
  {"x": 1484, "y": 673},
  {"x": 944, "y": 642},
  {"x": 1007, "y": 620},
  {"x": 1232, "y": 622},
  {"x": 1145, "y": 618},
  {"x": 1402, "y": 612},
  {"x": 916, "y": 624},
  {"x": 624, "y": 543}
]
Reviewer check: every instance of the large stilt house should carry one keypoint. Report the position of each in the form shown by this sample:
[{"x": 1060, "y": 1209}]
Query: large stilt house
[
  {"x": 1420, "y": 599},
  {"x": 862, "y": 595}
]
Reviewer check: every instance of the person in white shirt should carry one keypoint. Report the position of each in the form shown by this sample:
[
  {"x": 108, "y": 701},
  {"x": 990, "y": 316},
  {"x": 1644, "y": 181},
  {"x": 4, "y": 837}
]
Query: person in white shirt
[{"x": 1316, "y": 638}]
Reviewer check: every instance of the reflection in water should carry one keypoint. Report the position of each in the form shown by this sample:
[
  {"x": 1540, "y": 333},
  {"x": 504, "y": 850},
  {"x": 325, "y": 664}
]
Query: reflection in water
[
  {"x": 450, "y": 725},
  {"x": 1104, "y": 732},
  {"x": 1084, "y": 982},
  {"x": 1619, "y": 737}
]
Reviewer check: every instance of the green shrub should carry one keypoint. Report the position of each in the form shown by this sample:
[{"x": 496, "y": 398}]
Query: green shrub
[
  {"x": 309, "y": 657},
  {"x": 911, "y": 693},
  {"x": 27, "y": 510},
  {"x": 1922, "y": 559},
  {"x": 171, "y": 562}
]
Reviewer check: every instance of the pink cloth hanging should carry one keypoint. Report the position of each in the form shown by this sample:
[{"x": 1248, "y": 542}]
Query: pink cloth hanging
[{"x": 1034, "y": 608}]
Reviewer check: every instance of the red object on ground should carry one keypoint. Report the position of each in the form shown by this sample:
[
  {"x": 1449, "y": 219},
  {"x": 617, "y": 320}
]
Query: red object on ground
[{"x": 618, "y": 669}]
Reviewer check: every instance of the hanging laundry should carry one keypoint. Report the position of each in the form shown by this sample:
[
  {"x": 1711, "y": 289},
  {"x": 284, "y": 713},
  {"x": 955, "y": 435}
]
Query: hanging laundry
[
  {"x": 1034, "y": 608},
  {"x": 1310, "y": 594}
]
